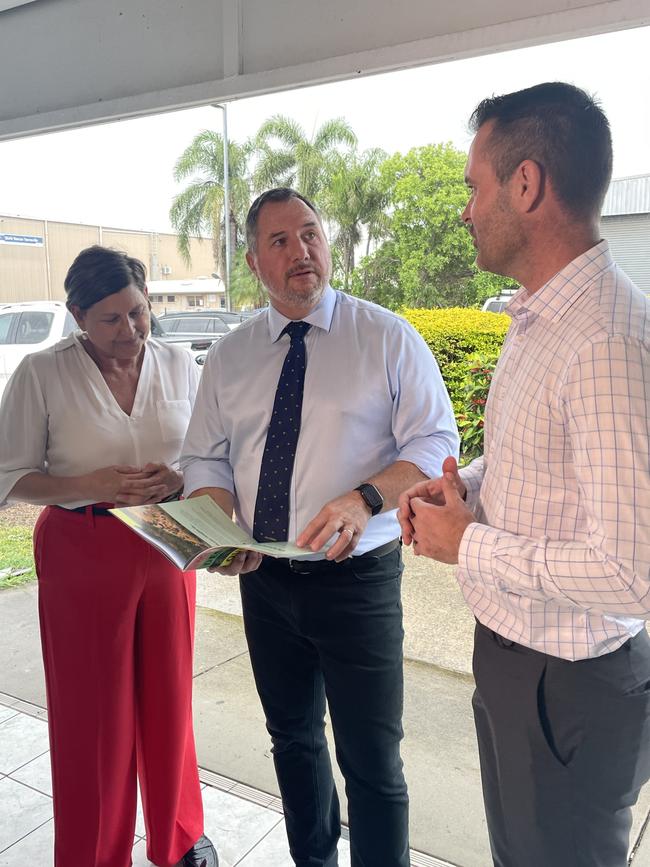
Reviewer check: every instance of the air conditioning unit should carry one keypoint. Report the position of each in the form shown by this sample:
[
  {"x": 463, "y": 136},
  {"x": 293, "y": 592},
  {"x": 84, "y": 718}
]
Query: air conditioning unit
[{"x": 166, "y": 270}]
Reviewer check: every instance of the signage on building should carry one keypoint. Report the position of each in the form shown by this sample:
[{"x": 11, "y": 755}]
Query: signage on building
[{"x": 27, "y": 240}]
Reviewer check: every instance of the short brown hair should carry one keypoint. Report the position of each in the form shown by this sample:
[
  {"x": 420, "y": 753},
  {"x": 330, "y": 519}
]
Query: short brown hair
[
  {"x": 98, "y": 272},
  {"x": 558, "y": 126}
]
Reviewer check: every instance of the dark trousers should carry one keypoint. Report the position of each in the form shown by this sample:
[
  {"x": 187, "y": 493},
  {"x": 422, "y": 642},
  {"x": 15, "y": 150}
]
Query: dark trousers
[
  {"x": 335, "y": 633},
  {"x": 564, "y": 749}
]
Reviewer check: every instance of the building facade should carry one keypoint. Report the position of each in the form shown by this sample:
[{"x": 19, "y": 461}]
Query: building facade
[
  {"x": 625, "y": 223},
  {"x": 36, "y": 254},
  {"x": 204, "y": 293}
]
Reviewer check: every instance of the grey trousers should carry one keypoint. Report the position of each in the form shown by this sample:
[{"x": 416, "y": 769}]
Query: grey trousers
[{"x": 564, "y": 749}]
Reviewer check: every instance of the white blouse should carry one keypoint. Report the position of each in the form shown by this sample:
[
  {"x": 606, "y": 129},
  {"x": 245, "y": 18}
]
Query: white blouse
[{"x": 59, "y": 416}]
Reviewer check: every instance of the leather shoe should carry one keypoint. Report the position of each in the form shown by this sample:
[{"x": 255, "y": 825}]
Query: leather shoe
[{"x": 202, "y": 854}]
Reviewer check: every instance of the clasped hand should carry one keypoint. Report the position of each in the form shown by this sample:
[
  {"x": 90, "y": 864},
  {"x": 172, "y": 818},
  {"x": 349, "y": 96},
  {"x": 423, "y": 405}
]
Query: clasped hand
[
  {"x": 134, "y": 486},
  {"x": 433, "y": 515}
]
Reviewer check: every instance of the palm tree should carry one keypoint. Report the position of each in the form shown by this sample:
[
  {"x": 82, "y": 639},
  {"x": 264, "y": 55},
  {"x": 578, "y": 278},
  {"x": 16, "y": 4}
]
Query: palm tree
[
  {"x": 199, "y": 208},
  {"x": 287, "y": 157},
  {"x": 354, "y": 200},
  {"x": 245, "y": 289}
]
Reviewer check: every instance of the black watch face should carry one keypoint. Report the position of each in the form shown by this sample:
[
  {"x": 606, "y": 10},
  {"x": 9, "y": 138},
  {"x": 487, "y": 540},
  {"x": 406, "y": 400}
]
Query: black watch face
[{"x": 372, "y": 497}]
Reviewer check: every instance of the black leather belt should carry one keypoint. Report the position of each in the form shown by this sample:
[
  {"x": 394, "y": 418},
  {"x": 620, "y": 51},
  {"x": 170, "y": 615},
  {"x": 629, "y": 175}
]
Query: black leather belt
[
  {"x": 309, "y": 567},
  {"x": 96, "y": 510}
]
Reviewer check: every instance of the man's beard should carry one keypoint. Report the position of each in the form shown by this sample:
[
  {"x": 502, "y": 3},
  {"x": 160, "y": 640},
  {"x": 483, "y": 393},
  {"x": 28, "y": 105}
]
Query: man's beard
[{"x": 306, "y": 298}]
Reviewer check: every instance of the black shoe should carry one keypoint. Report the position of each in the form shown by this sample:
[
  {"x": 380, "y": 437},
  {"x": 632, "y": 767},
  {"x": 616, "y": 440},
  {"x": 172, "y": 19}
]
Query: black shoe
[{"x": 202, "y": 854}]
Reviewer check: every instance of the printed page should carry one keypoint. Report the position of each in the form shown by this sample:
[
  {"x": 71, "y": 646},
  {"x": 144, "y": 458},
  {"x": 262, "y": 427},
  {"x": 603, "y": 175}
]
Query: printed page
[{"x": 202, "y": 517}]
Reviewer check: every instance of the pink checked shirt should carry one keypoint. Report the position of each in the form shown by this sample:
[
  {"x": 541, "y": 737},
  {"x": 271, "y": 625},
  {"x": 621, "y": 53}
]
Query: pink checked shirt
[{"x": 559, "y": 559}]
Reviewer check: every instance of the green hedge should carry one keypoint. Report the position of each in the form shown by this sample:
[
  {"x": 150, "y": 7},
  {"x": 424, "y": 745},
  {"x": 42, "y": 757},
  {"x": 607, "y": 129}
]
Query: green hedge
[{"x": 454, "y": 335}]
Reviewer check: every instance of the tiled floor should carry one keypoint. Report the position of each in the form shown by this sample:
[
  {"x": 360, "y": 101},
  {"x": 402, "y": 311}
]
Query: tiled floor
[{"x": 247, "y": 834}]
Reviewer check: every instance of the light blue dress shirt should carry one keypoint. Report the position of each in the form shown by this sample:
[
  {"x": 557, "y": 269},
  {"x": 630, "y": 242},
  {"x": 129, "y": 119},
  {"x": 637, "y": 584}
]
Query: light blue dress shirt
[{"x": 373, "y": 395}]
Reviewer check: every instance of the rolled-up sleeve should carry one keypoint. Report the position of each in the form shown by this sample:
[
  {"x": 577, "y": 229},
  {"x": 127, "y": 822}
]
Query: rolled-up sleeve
[
  {"x": 205, "y": 457},
  {"x": 424, "y": 426},
  {"x": 23, "y": 428}
]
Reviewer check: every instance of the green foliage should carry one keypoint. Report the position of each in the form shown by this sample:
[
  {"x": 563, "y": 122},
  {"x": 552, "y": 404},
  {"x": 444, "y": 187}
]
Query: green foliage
[
  {"x": 287, "y": 157},
  {"x": 16, "y": 554},
  {"x": 431, "y": 252},
  {"x": 455, "y": 336},
  {"x": 354, "y": 202},
  {"x": 245, "y": 289},
  {"x": 476, "y": 385},
  {"x": 199, "y": 209},
  {"x": 407, "y": 207},
  {"x": 376, "y": 278}
]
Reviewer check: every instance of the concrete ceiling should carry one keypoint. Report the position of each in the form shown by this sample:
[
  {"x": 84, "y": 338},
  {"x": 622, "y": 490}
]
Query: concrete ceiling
[{"x": 67, "y": 63}]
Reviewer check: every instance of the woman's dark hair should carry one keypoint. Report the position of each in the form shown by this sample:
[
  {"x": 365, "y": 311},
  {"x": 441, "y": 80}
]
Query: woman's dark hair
[
  {"x": 558, "y": 126},
  {"x": 98, "y": 272},
  {"x": 277, "y": 194}
]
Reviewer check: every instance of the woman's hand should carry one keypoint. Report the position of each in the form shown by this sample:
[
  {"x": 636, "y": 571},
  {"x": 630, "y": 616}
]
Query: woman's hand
[
  {"x": 161, "y": 474},
  {"x": 133, "y": 486}
]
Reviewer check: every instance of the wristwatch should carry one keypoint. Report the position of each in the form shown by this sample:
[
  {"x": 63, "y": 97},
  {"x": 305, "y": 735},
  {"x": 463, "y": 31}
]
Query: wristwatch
[{"x": 372, "y": 497}]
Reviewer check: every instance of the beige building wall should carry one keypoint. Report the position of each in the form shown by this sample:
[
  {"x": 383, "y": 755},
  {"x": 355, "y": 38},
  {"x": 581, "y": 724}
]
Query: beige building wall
[
  {"x": 169, "y": 258},
  {"x": 65, "y": 242},
  {"x": 23, "y": 269},
  {"x": 36, "y": 273}
]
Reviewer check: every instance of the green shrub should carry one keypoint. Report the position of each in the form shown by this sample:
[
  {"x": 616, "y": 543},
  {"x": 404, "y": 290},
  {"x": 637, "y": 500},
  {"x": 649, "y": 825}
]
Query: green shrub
[
  {"x": 456, "y": 335},
  {"x": 476, "y": 386}
]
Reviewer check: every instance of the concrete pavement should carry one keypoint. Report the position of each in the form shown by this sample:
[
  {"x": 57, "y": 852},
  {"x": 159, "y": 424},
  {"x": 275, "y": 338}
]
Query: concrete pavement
[{"x": 440, "y": 755}]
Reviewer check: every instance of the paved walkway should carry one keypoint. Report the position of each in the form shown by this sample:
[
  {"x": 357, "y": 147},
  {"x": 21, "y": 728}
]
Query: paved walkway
[
  {"x": 247, "y": 826},
  {"x": 439, "y": 751}
]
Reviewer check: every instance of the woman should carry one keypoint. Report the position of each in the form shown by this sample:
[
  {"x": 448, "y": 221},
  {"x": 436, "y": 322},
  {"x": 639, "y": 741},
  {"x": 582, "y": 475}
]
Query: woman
[{"x": 99, "y": 419}]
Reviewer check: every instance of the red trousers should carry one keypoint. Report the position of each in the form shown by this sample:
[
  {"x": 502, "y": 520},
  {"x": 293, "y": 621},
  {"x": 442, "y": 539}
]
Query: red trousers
[{"x": 117, "y": 629}]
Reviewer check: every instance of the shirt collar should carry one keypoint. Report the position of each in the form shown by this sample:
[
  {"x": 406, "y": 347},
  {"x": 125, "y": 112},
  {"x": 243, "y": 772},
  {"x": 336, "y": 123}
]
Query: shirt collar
[
  {"x": 73, "y": 339},
  {"x": 320, "y": 316},
  {"x": 554, "y": 299}
]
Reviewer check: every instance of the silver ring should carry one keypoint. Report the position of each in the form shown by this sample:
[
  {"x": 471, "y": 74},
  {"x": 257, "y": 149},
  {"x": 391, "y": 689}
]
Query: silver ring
[{"x": 348, "y": 530}]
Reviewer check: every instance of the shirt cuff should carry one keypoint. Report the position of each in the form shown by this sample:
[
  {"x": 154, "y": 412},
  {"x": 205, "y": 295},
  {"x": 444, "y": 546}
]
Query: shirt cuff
[
  {"x": 475, "y": 555},
  {"x": 207, "y": 474},
  {"x": 472, "y": 479}
]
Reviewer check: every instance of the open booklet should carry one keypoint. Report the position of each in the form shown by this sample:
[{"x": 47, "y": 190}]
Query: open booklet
[{"x": 197, "y": 534}]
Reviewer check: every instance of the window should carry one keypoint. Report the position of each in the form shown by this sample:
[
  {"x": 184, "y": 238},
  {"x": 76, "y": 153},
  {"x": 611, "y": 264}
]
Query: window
[
  {"x": 171, "y": 299},
  {"x": 195, "y": 300},
  {"x": 197, "y": 325},
  {"x": 6, "y": 321},
  {"x": 156, "y": 299},
  {"x": 34, "y": 327},
  {"x": 69, "y": 325},
  {"x": 219, "y": 326}
]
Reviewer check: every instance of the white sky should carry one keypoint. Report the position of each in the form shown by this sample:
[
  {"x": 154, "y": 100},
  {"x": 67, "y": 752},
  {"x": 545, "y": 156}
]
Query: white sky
[{"x": 120, "y": 174}]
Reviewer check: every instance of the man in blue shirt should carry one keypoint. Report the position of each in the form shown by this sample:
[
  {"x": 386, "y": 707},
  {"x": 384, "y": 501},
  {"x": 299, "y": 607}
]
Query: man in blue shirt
[{"x": 310, "y": 420}]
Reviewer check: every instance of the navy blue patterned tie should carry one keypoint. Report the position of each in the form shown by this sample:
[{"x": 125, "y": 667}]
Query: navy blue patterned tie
[{"x": 271, "y": 521}]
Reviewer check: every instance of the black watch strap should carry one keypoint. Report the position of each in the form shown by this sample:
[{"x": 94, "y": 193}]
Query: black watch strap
[{"x": 372, "y": 497}]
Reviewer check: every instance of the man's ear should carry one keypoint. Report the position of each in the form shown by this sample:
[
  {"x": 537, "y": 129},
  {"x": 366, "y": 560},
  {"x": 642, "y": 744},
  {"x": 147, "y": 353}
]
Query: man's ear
[
  {"x": 528, "y": 186},
  {"x": 250, "y": 259}
]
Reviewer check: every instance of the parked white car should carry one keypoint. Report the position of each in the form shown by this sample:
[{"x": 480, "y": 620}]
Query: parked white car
[
  {"x": 28, "y": 327},
  {"x": 34, "y": 325},
  {"x": 497, "y": 304}
]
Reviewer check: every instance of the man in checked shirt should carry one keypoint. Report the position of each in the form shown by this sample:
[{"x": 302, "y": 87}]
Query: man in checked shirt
[{"x": 551, "y": 527}]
